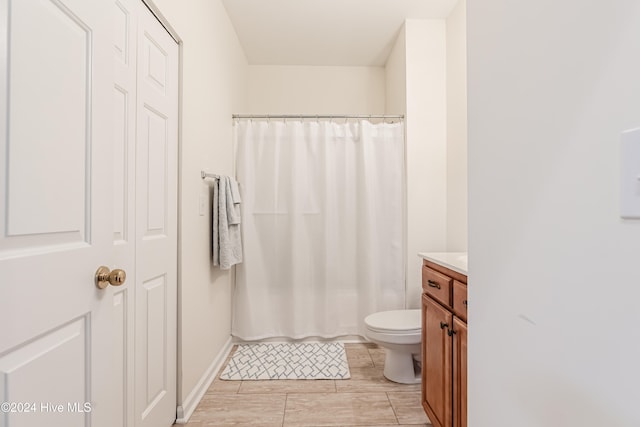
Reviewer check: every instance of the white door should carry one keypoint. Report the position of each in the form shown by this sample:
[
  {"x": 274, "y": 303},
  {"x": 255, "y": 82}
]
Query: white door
[
  {"x": 124, "y": 52},
  {"x": 145, "y": 215},
  {"x": 156, "y": 224},
  {"x": 56, "y": 184}
]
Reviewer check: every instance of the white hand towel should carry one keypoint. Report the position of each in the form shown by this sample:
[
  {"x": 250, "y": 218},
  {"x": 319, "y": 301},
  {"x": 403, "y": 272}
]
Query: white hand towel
[
  {"x": 233, "y": 207},
  {"x": 235, "y": 191}
]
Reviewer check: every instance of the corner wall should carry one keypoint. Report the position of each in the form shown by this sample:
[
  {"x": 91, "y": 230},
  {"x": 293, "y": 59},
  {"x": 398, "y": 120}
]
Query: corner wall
[
  {"x": 213, "y": 79},
  {"x": 457, "y": 129},
  {"x": 396, "y": 76},
  {"x": 426, "y": 133},
  {"x": 553, "y": 269}
]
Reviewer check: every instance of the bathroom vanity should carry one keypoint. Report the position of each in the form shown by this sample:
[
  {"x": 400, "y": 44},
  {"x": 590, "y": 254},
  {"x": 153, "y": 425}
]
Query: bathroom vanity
[{"x": 444, "y": 338}]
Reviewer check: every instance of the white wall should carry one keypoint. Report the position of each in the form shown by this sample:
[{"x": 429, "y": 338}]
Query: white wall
[
  {"x": 213, "y": 84},
  {"x": 457, "y": 129},
  {"x": 426, "y": 126},
  {"x": 395, "y": 71},
  {"x": 396, "y": 90},
  {"x": 276, "y": 89},
  {"x": 553, "y": 271}
]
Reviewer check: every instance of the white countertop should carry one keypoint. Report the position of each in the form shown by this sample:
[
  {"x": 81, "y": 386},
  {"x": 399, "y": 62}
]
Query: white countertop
[{"x": 456, "y": 261}]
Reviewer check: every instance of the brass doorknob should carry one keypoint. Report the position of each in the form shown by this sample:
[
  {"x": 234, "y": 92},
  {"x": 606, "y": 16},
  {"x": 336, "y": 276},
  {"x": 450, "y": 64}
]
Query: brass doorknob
[{"x": 105, "y": 277}]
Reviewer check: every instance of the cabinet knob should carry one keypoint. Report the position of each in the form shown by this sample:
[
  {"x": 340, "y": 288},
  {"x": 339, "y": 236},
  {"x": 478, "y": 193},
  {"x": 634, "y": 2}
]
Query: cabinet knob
[
  {"x": 433, "y": 284},
  {"x": 465, "y": 303},
  {"x": 443, "y": 325},
  {"x": 451, "y": 332}
]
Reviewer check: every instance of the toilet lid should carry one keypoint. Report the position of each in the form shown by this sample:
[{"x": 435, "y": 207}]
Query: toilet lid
[{"x": 395, "y": 320}]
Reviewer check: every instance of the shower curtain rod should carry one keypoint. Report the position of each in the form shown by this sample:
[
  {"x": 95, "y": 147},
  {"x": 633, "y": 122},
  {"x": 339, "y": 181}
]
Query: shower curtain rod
[{"x": 317, "y": 116}]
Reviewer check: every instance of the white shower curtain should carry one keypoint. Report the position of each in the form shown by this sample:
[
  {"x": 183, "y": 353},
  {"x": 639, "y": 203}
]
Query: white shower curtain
[{"x": 323, "y": 221}]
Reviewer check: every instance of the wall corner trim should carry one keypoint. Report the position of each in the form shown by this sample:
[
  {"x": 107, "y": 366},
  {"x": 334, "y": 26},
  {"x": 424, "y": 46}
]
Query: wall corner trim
[{"x": 185, "y": 410}]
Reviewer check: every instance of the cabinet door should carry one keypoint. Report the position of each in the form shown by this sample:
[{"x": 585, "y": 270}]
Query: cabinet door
[
  {"x": 459, "y": 373},
  {"x": 436, "y": 363}
]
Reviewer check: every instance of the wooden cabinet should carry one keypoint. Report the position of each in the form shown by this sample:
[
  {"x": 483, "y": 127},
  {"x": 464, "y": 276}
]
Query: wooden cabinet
[{"x": 444, "y": 345}]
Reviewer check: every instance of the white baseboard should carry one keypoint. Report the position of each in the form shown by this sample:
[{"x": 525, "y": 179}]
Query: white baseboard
[
  {"x": 347, "y": 339},
  {"x": 185, "y": 410}
]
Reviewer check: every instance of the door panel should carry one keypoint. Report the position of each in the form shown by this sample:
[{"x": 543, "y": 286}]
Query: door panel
[
  {"x": 121, "y": 154},
  {"x": 155, "y": 64},
  {"x": 38, "y": 127},
  {"x": 121, "y": 347},
  {"x": 55, "y": 223},
  {"x": 153, "y": 345},
  {"x": 154, "y": 142},
  {"x": 122, "y": 31},
  {"x": 33, "y": 373}
]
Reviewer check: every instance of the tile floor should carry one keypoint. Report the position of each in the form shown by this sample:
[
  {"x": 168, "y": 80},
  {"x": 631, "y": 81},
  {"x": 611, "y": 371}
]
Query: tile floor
[{"x": 367, "y": 399}]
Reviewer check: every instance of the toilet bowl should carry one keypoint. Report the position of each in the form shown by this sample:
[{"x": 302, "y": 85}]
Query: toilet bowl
[{"x": 399, "y": 333}]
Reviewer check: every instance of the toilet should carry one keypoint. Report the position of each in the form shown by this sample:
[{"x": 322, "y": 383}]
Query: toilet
[{"x": 399, "y": 333}]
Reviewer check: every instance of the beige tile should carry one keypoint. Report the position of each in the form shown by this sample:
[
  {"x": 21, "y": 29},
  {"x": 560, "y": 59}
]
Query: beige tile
[
  {"x": 408, "y": 407},
  {"x": 237, "y": 410},
  {"x": 394, "y": 425},
  {"x": 378, "y": 356},
  {"x": 368, "y": 399},
  {"x": 375, "y": 425},
  {"x": 288, "y": 386},
  {"x": 197, "y": 424},
  {"x": 371, "y": 380},
  {"x": 364, "y": 344},
  {"x": 358, "y": 355},
  {"x": 333, "y": 409},
  {"x": 229, "y": 356},
  {"x": 221, "y": 386}
]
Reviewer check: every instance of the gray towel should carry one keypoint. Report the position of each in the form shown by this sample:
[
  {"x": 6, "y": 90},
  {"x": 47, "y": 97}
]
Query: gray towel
[
  {"x": 227, "y": 241},
  {"x": 215, "y": 242}
]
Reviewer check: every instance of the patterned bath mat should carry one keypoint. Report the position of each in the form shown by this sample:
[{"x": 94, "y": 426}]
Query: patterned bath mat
[{"x": 288, "y": 361}]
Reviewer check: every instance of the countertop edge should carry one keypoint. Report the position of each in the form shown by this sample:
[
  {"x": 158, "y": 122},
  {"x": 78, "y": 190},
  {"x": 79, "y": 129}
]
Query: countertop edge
[{"x": 450, "y": 260}]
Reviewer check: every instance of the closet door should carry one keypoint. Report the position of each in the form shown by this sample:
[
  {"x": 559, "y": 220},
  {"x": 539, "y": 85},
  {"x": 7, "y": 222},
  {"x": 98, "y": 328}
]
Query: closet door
[
  {"x": 124, "y": 53},
  {"x": 156, "y": 224},
  {"x": 145, "y": 94},
  {"x": 56, "y": 325}
]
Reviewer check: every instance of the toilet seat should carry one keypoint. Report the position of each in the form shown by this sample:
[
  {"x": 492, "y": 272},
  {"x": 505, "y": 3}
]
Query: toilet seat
[{"x": 395, "y": 322}]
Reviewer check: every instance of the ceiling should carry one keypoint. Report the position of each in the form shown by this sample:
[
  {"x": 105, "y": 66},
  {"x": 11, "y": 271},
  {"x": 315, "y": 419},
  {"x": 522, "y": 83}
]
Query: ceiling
[{"x": 325, "y": 32}]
